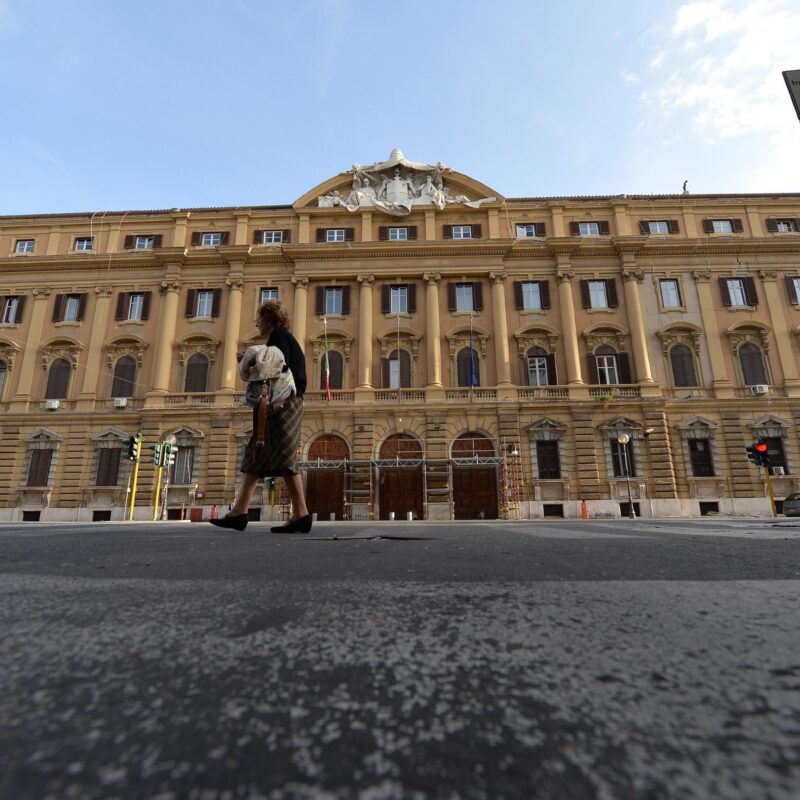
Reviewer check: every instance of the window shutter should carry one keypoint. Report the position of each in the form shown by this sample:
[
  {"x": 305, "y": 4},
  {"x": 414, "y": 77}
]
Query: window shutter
[
  {"x": 20, "y": 309},
  {"x": 349, "y": 234},
  {"x": 708, "y": 226},
  {"x": 750, "y": 293},
  {"x": 477, "y": 296},
  {"x": 320, "y": 304},
  {"x": 321, "y": 234},
  {"x": 157, "y": 240},
  {"x": 122, "y": 300},
  {"x": 552, "y": 377},
  {"x": 724, "y": 293},
  {"x": 644, "y": 226},
  {"x": 544, "y": 293},
  {"x": 539, "y": 229},
  {"x": 190, "y": 302},
  {"x": 383, "y": 233},
  {"x": 224, "y": 237},
  {"x": 736, "y": 226},
  {"x": 586, "y": 298},
  {"x": 82, "y": 306},
  {"x": 611, "y": 293},
  {"x": 197, "y": 373},
  {"x": 790, "y": 289},
  {"x": 772, "y": 225},
  {"x": 58, "y": 380},
  {"x": 385, "y": 373},
  {"x": 124, "y": 377},
  {"x": 476, "y": 231},
  {"x": 591, "y": 363},
  {"x": 258, "y": 237},
  {"x": 672, "y": 226},
  {"x": 386, "y": 298},
  {"x": 129, "y": 242},
  {"x": 412, "y": 298},
  {"x": 39, "y": 469},
  {"x": 412, "y": 233},
  {"x": 108, "y": 466},
  {"x": 796, "y": 225},
  {"x": 58, "y": 308},
  {"x": 624, "y": 368},
  {"x": 286, "y": 236},
  {"x": 518, "y": 301},
  {"x": 603, "y": 227},
  {"x": 451, "y": 297},
  {"x": 574, "y": 229},
  {"x": 405, "y": 369},
  {"x": 197, "y": 237},
  {"x": 216, "y": 299},
  {"x": 336, "y": 364},
  {"x": 447, "y": 231},
  {"x": 146, "y": 305},
  {"x": 345, "y": 300}
]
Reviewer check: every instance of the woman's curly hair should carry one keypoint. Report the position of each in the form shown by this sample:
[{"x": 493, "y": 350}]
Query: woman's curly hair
[{"x": 274, "y": 314}]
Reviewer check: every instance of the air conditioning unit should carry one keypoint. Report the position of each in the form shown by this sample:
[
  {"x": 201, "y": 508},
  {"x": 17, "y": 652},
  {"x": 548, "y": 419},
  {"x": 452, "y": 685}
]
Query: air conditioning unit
[
  {"x": 778, "y": 471},
  {"x": 760, "y": 388},
  {"x": 120, "y": 402},
  {"x": 52, "y": 405}
]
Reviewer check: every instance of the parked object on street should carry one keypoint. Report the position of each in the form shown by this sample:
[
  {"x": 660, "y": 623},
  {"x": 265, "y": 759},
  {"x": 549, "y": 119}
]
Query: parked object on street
[{"x": 791, "y": 505}]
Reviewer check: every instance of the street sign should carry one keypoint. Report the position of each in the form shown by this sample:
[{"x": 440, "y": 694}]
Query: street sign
[{"x": 792, "y": 78}]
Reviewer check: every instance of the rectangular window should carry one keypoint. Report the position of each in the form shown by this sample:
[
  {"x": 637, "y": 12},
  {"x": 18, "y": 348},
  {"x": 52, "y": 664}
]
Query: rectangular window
[
  {"x": 588, "y": 229},
  {"x": 135, "y": 306},
  {"x": 394, "y": 373},
  {"x": 462, "y": 231},
  {"x": 108, "y": 466},
  {"x": 700, "y": 456},
  {"x": 737, "y": 292},
  {"x": 333, "y": 300},
  {"x": 537, "y": 371},
  {"x": 776, "y": 455},
  {"x": 464, "y": 298},
  {"x": 721, "y": 226},
  {"x": 182, "y": 468},
  {"x": 71, "y": 307},
  {"x": 24, "y": 246},
  {"x": 83, "y": 243},
  {"x": 398, "y": 234},
  {"x": 796, "y": 284},
  {"x": 622, "y": 459},
  {"x": 144, "y": 243},
  {"x": 526, "y": 231},
  {"x": 658, "y": 226},
  {"x": 271, "y": 237},
  {"x": 334, "y": 235},
  {"x": 547, "y": 460},
  {"x": 205, "y": 302},
  {"x": 531, "y": 295},
  {"x": 268, "y": 293},
  {"x": 670, "y": 293},
  {"x": 398, "y": 300},
  {"x": 211, "y": 239},
  {"x": 10, "y": 310},
  {"x": 39, "y": 468},
  {"x": 784, "y": 226},
  {"x": 607, "y": 370},
  {"x": 598, "y": 294}
]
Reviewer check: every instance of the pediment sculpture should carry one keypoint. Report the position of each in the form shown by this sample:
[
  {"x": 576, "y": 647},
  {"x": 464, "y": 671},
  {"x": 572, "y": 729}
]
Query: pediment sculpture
[{"x": 396, "y": 186}]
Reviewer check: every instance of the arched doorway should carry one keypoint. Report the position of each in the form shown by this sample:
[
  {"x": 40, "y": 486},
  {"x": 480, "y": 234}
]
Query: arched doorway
[
  {"x": 474, "y": 477},
  {"x": 325, "y": 476},
  {"x": 400, "y": 485}
]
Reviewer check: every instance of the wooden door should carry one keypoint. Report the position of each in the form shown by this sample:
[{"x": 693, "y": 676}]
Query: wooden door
[
  {"x": 400, "y": 490},
  {"x": 325, "y": 493},
  {"x": 475, "y": 492}
]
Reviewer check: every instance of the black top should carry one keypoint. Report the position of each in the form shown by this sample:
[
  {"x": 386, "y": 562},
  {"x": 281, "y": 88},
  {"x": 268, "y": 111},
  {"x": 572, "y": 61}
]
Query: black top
[{"x": 293, "y": 353}]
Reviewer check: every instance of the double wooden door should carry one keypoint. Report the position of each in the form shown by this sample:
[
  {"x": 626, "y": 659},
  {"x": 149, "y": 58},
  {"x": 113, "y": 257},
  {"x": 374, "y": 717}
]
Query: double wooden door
[
  {"x": 475, "y": 492},
  {"x": 400, "y": 490}
]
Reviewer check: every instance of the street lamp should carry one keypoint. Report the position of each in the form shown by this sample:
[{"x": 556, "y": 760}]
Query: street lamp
[{"x": 623, "y": 439}]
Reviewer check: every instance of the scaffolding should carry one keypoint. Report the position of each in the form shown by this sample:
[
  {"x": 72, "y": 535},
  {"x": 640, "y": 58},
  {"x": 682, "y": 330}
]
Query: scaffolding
[{"x": 359, "y": 489}]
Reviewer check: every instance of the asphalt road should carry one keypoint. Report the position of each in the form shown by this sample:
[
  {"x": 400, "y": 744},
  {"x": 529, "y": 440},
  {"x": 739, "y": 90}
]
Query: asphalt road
[{"x": 563, "y": 660}]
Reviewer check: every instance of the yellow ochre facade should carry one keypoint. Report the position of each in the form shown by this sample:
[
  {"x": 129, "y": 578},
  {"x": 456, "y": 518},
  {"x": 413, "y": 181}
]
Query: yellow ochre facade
[{"x": 486, "y": 356}]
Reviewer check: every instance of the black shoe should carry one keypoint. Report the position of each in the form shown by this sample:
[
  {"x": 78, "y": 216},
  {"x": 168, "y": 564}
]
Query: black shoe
[
  {"x": 236, "y": 521},
  {"x": 302, "y": 525}
]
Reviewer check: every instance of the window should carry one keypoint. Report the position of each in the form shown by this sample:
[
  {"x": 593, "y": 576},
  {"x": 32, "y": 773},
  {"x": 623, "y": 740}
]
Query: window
[
  {"x": 658, "y": 226},
  {"x": 530, "y": 230},
  {"x": 211, "y": 240},
  {"x": 794, "y": 289},
  {"x": 108, "y": 466},
  {"x": 135, "y": 306},
  {"x": 783, "y": 225},
  {"x": 682, "y": 361},
  {"x": 776, "y": 454},
  {"x": 196, "y": 373},
  {"x": 738, "y": 292},
  {"x": 268, "y": 293},
  {"x": 537, "y": 367},
  {"x": 124, "y": 377},
  {"x": 462, "y": 231},
  {"x": 398, "y": 301},
  {"x": 622, "y": 459},
  {"x": 467, "y": 365},
  {"x": 333, "y": 300},
  {"x": 181, "y": 470},
  {"x": 332, "y": 366},
  {"x": 398, "y": 234},
  {"x": 3, "y": 374},
  {"x": 700, "y": 457},
  {"x": 598, "y": 295},
  {"x": 547, "y": 460},
  {"x": 205, "y": 303},
  {"x": 271, "y": 237},
  {"x": 39, "y": 467},
  {"x": 58, "y": 379},
  {"x": 670, "y": 293},
  {"x": 24, "y": 246},
  {"x": 399, "y": 364},
  {"x": 752, "y": 361},
  {"x": 464, "y": 297},
  {"x": 11, "y": 310},
  {"x": 531, "y": 295},
  {"x": 144, "y": 243},
  {"x": 606, "y": 365},
  {"x": 69, "y": 307},
  {"x": 83, "y": 243},
  {"x": 588, "y": 229},
  {"x": 334, "y": 235},
  {"x": 721, "y": 226}
]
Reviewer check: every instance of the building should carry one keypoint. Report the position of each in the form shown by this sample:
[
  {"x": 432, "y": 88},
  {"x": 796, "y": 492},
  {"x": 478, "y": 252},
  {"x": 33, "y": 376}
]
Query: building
[{"x": 486, "y": 356}]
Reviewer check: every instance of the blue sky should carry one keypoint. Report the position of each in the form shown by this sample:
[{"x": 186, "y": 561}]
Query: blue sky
[{"x": 185, "y": 103}]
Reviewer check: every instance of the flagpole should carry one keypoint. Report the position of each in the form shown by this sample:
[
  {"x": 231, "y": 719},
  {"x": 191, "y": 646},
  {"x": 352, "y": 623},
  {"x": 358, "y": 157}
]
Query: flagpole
[{"x": 327, "y": 361}]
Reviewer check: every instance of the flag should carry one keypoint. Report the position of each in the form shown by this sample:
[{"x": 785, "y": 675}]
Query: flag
[{"x": 473, "y": 372}]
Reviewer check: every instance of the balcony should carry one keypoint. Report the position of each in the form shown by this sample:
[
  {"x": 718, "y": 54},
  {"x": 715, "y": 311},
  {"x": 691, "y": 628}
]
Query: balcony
[
  {"x": 614, "y": 392},
  {"x": 193, "y": 399},
  {"x": 543, "y": 393}
]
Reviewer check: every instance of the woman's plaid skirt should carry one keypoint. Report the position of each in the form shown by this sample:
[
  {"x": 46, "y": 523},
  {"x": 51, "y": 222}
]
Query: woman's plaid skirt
[{"x": 279, "y": 453}]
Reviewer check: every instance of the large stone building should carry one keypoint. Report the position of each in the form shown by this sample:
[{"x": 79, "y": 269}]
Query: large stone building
[{"x": 487, "y": 356}]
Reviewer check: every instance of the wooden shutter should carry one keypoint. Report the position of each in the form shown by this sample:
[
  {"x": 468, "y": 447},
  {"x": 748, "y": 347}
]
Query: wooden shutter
[
  {"x": 224, "y": 237},
  {"x": 190, "y": 302},
  {"x": 611, "y": 293},
  {"x": 412, "y": 298},
  {"x": 544, "y": 293},
  {"x": 447, "y": 231},
  {"x": 197, "y": 373},
  {"x": 591, "y": 364},
  {"x": 320, "y": 302},
  {"x": 383, "y": 233},
  {"x": 386, "y": 298},
  {"x": 385, "y": 373},
  {"x": 644, "y": 226},
  {"x": 623, "y": 368},
  {"x": 39, "y": 468},
  {"x": 405, "y": 369},
  {"x": 476, "y": 231},
  {"x": 258, "y": 237},
  {"x": 724, "y": 293},
  {"x": 82, "y": 305},
  {"x": 124, "y": 377},
  {"x": 157, "y": 240},
  {"x": 736, "y": 226},
  {"x": 122, "y": 301},
  {"x": 708, "y": 226},
  {"x": 20, "y": 309},
  {"x": 574, "y": 229},
  {"x": 586, "y": 297},
  {"x": 552, "y": 377},
  {"x": 286, "y": 236},
  {"x": 107, "y": 466},
  {"x": 519, "y": 303},
  {"x": 750, "y": 293},
  {"x": 772, "y": 225},
  {"x": 451, "y": 297},
  {"x": 58, "y": 380},
  {"x": 58, "y": 308},
  {"x": 197, "y": 237},
  {"x": 477, "y": 296},
  {"x": 412, "y": 233},
  {"x": 603, "y": 227},
  {"x": 146, "y": 305},
  {"x": 321, "y": 234},
  {"x": 345, "y": 300},
  {"x": 349, "y": 234},
  {"x": 790, "y": 289},
  {"x": 129, "y": 242},
  {"x": 539, "y": 229},
  {"x": 672, "y": 226},
  {"x": 216, "y": 299}
]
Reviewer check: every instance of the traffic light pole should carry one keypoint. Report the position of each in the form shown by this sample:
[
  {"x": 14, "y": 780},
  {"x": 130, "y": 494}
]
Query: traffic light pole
[
  {"x": 158, "y": 490},
  {"x": 133, "y": 488},
  {"x": 771, "y": 493}
]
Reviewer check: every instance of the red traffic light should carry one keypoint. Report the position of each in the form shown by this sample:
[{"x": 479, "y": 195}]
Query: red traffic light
[{"x": 761, "y": 447}]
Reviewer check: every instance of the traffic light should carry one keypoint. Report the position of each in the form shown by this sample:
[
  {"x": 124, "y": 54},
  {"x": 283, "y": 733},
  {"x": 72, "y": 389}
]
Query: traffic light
[
  {"x": 168, "y": 454},
  {"x": 752, "y": 455},
  {"x": 761, "y": 452},
  {"x": 134, "y": 447},
  {"x": 156, "y": 448}
]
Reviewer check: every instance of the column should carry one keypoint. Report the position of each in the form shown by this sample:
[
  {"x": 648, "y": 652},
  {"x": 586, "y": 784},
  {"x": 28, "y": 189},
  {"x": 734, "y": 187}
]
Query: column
[
  {"x": 233, "y": 327},
  {"x": 631, "y": 278},
  {"x": 568, "y": 326},
  {"x": 179, "y": 236},
  {"x": 165, "y": 343},
  {"x": 303, "y": 233},
  {"x": 433, "y": 330},
  {"x": 719, "y": 372},
  {"x": 430, "y": 224},
  {"x": 98, "y": 329},
  {"x": 500, "y": 329},
  {"x": 780, "y": 330},
  {"x": 20, "y": 399},
  {"x": 365, "y": 332},
  {"x": 494, "y": 223},
  {"x": 300, "y": 310},
  {"x": 366, "y": 226}
]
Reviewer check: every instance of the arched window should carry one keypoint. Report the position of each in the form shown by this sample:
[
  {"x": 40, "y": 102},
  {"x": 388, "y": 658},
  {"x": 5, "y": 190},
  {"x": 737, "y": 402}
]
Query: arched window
[
  {"x": 397, "y": 370},
  {"x": 541, "y": 367},
  {"x": 752, "y": 360},
  {"x": 124, "y": 377},
  {"x": 682, "y": 360},
  {"x": 335, "y": 363},
  {"x": 3, "y": 373},
  {"x": 58, "y": 380},
  {"x": 468, "y": 367},
  {"x": 197, "y": 373}
]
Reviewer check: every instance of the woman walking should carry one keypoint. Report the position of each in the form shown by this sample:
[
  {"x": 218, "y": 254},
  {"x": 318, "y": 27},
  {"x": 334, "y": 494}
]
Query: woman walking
[{"x": 278, "y": 456}]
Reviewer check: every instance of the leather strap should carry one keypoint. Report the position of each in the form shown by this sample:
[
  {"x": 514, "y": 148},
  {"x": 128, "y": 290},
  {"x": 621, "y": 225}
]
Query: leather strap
[{"x": 261, "y": 416}]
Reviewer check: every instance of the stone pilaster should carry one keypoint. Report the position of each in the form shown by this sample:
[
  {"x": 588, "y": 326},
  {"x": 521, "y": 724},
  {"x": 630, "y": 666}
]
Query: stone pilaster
[
  {"x": 631, "y": 278},
  {"x": 568, "y": 325},
  {"x": 233, "y": 327},
  {"x": 661, "y": 467},
  {"x": 300, "y": 316},
  {"x": 719, "y": 372},
  {"x": 165, "y": 341},
  {"x": 780, "y": 330},
  {"x": 365, "y": 332},
  {"x": 91, "y": 374},
  {"x": 21, "y": 398},
  {"x": 586, "y": 457},
  {"x": 433, "y": 329},
  {"x": 744, "y": 478},
  {"x": 220, "y": 485},
  {"x": 500, "y": 329}
]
